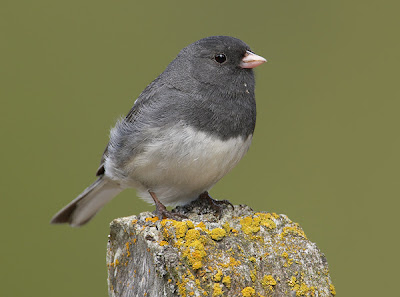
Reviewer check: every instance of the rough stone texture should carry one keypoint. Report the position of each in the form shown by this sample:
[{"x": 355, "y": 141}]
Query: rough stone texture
[{"x": 245, "y": 253}]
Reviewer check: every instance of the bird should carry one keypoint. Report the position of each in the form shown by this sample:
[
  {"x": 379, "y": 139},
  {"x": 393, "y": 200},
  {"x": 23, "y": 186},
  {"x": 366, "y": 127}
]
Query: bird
[{"x": 186, "y": 130}]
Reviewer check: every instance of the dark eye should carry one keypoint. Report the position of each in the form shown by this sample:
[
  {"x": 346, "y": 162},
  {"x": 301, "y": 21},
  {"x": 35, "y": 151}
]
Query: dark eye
[{"x": 220, "y": 58}]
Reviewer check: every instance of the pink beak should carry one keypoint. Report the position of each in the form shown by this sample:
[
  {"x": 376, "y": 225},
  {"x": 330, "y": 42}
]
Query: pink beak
[{"x": 251, "y": 60}]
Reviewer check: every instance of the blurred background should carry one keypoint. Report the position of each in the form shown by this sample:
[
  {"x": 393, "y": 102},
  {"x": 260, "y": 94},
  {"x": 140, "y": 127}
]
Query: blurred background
[{"x": 325, "y": 151}]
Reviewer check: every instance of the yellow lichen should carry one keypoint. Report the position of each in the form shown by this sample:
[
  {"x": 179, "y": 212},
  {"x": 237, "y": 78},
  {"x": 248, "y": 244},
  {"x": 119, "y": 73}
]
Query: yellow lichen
[
  {"x": 217, "y": 290},
  {"x": 218, "y": 276},
  {"x": 332, "y": 289},
  {"x": 252, "y": 259},
  {"x": 218, "y": 233},
  {"x": 248, "y": 292},
  {"x": 227, "y": 227},
  {"x": 197, "y": 265},
  {"x": 249, "y": 225},
  {"x": 202, "y": 226},
  {"x": 180, "y": 229},
  {"x": 182, "y": 287},
  {"x": 253, "y": 275},
  {"x": 301, "y": 289},
  {"x": 252, "y": 224},
  {"x": 292, "y": 281},
  {"x": 232, "y": 263},
  {"x": 295, "y": 230},
  {"x": 134, "y": 222},
  {"x": 192, "y": 235},
  {"x": 266, "y": 220},
  {"x": 128, "y": 253},
  {"x": 194, "y": 253},
  {"x": 268, "y": 282},
  {"x": 190, "y": 224},
  {"x": 154, "y": 219},
  {"x": 163, "y": 242},
  {"x": 227, "y": 281},
  {"x": 304, "y": 289}
]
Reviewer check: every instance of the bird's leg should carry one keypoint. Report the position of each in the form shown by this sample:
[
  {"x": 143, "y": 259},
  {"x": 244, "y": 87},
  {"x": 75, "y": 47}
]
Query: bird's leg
[
  {"x": 162, "y": 212},
  {"x": 215, "y": 204}
]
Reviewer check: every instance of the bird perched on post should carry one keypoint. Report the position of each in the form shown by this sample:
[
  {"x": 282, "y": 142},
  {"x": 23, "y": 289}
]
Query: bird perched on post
[{"x": 185, "y": 131}]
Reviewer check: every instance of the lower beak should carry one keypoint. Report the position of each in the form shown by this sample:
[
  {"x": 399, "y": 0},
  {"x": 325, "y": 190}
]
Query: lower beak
[{"x": 251, "y": 60}]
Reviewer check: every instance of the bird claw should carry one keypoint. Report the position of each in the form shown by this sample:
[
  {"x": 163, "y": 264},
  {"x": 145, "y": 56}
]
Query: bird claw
[
  {"x": 217, "y": 205},
  {"x": 162, "y": 212}
]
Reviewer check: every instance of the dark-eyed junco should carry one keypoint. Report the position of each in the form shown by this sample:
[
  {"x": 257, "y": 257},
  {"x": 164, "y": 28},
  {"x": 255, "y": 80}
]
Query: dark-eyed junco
[{"x": 186, "y": 130}]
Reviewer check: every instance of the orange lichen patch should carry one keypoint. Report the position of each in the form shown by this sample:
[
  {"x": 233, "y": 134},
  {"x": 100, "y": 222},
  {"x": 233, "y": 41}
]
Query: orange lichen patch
[
  {"x": 218, "y": 233},
  {"x": 154, "y": 219},
  {"x": 248, "y": 292},
  {"x": 134, "y": 240},
  {"x": 295, "y": 230},
  {"x": 134, "y": 222},
  {"x": 227, "y": 281},
  {"x": 128, "y": 253},
  {"x": 116, "y": 262},
  {"x": 332, "y": 289},
  {"x": 163, "y": 242},
  {"x": 217, "y": 290}
]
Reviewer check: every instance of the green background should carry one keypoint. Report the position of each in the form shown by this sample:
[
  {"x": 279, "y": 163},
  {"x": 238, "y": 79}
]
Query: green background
[{"x": 325, "y": 151}]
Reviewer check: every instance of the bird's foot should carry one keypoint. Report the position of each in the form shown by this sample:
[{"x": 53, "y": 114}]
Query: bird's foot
[
  {"x": 215, "y": 204},
  {"x": 163, "y": 213}
]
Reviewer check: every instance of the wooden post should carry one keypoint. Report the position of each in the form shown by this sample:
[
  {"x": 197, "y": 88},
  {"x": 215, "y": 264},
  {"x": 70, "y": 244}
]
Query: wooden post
[{"x": 245, "y": 253}]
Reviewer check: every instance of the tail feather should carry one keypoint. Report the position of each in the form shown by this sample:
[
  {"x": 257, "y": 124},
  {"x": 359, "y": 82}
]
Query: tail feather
[{"x": 80, "y": 210}]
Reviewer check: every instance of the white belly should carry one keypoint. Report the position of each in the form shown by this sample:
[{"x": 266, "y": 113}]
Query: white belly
[{"x": 183, "y": 163}]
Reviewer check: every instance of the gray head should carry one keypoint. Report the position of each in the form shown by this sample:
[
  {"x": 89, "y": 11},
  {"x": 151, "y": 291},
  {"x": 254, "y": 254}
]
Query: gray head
[{"x": 217, "y": 61}]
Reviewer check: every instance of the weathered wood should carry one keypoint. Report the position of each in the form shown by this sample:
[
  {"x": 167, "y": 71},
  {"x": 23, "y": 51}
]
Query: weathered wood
[{"x": 245, "y": 253}]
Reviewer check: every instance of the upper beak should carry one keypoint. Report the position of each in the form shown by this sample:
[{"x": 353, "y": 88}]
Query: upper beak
[{"x": 251, "y": 60}]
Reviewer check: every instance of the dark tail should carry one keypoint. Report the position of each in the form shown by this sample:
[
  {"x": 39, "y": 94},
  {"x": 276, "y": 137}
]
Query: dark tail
[{"x": 80, "y": 210}]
